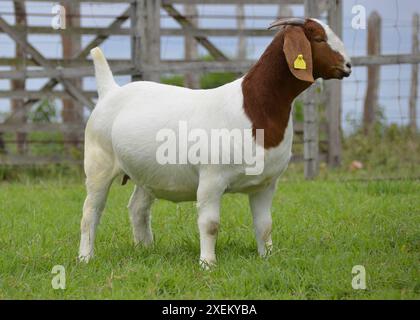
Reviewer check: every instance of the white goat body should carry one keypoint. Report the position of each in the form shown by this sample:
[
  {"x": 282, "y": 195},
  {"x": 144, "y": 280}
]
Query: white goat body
[
  {"x": 121, "y": 135},
  {"x": 120, "y": 138},
  {"x": 127, "y": 119}
]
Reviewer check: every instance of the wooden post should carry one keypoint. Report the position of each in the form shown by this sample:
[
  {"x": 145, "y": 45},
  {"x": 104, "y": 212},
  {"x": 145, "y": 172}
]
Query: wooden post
[
  {"x": 414, "y": 75},
  {"x": 18, "y": 104},
  {"x": 192, "y": 79},
  {"x": 333, "y": 92},
  {"x": 135, "y": 40},
  {"x": 284, "y": 11},
  {"x": 373, "y": 49},
  {"x": 310, "y": 125},
  {"x": 310, "y": 133},
  {"x": 311, "y": 9},
  {"x": 153, "y": 37},
  {"x": 240, "y": 26},
  {"x": 72, "y": 111},
  {"x": 146, "y": 38}
]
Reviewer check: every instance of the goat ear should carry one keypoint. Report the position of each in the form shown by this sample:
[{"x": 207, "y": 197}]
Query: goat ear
[{"x": 297, "y": 50}]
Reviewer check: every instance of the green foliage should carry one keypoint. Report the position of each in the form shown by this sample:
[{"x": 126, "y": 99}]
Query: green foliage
[
  {"x": 298, "y": 111},
  {"x": 214, "y": 80},
  {"x": 44, "y": 112},
  {"x": 207, "y": 81},
  {"x": 39, "y": 174},
  {"x": 378, "y": 126},
  {"x": 321, "y": 230},
  {"x": 386, "y": 150},
  {"x": 175, "y": 80}
]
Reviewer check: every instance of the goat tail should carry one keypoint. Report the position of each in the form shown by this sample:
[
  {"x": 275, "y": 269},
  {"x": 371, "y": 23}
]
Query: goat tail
[{"x": 104, "y": 78}]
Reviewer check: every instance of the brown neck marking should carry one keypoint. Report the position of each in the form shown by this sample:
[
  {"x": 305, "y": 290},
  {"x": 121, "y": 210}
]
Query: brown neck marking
[{"x": 269, "y": 89}]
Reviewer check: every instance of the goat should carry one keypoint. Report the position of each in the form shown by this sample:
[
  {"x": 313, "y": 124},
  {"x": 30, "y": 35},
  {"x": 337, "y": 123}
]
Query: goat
[{"x": 120, "y": 135}]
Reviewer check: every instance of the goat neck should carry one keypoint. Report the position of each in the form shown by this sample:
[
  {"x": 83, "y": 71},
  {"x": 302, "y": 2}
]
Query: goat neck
[{"x": 269, "y": 89}]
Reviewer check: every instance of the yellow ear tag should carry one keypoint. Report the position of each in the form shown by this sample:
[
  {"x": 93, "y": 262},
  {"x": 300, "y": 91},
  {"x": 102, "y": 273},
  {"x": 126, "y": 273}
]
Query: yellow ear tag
[{"x": 300, "y": 63}]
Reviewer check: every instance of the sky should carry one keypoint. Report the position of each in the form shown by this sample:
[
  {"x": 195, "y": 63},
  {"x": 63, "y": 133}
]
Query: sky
[{"x": 396, "y": 38}]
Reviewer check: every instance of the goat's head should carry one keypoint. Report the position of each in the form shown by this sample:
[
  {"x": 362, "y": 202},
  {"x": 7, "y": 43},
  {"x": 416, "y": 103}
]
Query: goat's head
[{"x": 322, "y": 51}]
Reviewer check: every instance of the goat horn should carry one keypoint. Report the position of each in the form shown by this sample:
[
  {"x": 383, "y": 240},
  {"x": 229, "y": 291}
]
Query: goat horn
[{"x": 287, "y": 21}]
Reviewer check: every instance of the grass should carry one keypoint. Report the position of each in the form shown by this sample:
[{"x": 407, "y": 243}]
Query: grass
[{"x": 321, "y": 230}]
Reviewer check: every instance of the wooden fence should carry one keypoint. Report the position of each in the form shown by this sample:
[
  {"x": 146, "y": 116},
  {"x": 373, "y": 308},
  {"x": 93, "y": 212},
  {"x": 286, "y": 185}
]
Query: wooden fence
[{"x": 145, "y": 32}]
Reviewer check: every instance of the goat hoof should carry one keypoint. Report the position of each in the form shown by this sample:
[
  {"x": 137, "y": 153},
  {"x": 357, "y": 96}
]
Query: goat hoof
[
  {"x": 146, "y": 243},
  {"x": 207, "y": 264},
  {"x": 85, "y": 258},
  {"x": 268, "y": 250}
]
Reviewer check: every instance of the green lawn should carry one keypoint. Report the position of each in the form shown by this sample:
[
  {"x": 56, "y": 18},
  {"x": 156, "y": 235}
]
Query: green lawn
[{"x": 321, "y": 230}]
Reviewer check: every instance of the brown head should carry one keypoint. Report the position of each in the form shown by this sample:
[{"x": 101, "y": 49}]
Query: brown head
[
  {"x": 304, "y": 49},
  {"x": 322, "y": 51}
]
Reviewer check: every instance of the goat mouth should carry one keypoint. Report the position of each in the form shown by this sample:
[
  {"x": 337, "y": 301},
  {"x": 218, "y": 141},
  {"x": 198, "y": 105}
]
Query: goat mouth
[
  {"x": 346, "y": 73},
  {"x": 342, "y": 73}
]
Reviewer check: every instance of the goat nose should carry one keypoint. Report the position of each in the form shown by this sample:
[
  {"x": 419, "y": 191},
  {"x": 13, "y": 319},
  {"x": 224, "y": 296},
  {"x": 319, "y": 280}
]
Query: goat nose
[{"x": 348, "y": 65}]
